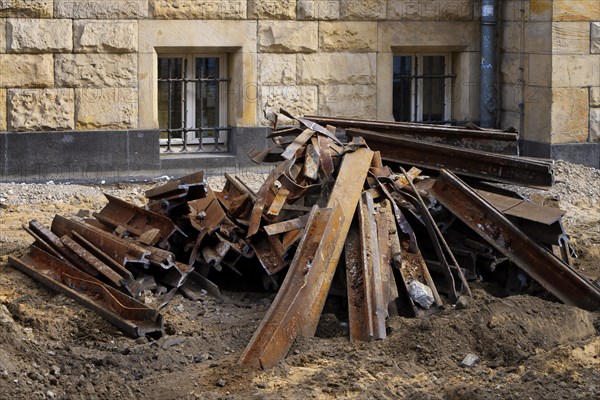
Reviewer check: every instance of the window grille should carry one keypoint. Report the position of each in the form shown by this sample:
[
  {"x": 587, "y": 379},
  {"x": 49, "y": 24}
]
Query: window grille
[
  {"x": 421, "y": 88},
  {"x": 192, "y": 104}
]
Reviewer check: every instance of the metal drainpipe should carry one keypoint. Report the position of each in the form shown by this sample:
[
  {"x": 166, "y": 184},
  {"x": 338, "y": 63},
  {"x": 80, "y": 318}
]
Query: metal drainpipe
[{"x": 487, "y": 87}]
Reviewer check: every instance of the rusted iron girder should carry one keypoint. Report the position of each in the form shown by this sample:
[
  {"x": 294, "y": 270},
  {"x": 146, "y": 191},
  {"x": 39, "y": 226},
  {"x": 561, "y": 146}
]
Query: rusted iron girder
[
  {"x": 136, "y": 220},
  {"x": 495, "y": 141},
  {"x": 367, "y": 308},
  {"x": 307, "y": 279},
  {"x": 133, "y": 317},
  {"x": 554, "y": 275},
  {"x": 478, "y": 164},
  {"x": 299, "y": 303},
  {"x": 191, "y": 187}
]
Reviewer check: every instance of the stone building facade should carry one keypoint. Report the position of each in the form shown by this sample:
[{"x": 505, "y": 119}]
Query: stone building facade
[{"x": 82, "y": 91}]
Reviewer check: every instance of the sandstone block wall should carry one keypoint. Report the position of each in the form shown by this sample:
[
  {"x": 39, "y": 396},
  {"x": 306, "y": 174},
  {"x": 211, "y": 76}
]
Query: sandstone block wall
[{"x": 84, "y": 64}]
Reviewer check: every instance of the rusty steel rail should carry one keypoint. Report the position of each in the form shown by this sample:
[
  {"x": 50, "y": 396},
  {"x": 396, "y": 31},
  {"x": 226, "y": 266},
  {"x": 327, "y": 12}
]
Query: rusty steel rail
[
  {"x": 137, "y": 220},
  {"x": 191, "y": 186},
  {"x": 131, "y": 316},
  {"x": 554, "y": 275},
  {"x": 492, "y": 140},
  {"x": 478, "y": 164},
  {"x": 306, "y": 283},
  {"x": 299, "y": 303}
]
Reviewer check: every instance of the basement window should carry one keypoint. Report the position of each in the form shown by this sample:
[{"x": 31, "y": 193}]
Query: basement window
[
  {"x": 192, "y": 103},
  {"x": 421, "y": 88}
]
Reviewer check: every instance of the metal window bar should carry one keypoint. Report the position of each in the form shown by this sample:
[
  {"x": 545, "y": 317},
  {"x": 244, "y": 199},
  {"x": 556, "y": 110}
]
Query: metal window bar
[
  {"x": 184, "y": 130},
  {"x": 416, "y": 78}
]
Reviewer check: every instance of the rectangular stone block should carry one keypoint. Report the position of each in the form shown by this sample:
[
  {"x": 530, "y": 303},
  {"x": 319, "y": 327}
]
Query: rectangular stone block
[
  {"x": 576, "y": 70},
  {"x": 96, "y": 70},
  {"x": 39, "y": 35},
  {"x": 363, "y": 9},
  {"x": 269, "y": 9},
  {"x": 348, "y": 101},
  {"x": 416, "y": 34},
  {"x": 570, "y": 37},
  {"x": 288, "y": 37},
  {"x": 101, "y": 9},
  {"x": 298, "y": 100},
  {"x": 344, "y": 68},
  {"x": 537, "y": 37},
  {"x": 430, "y": 10},
  {"x": 115, "y": 108},
  {"x": 2, "y": 36},
  {"x": 595, "y": 96},
  {"x": 322, "y": 10},
  {"x": 594, "y": 125},
  {"x": 26, "y": 8},
  {"x": 595, "y": 38},
  {"x": 538, "y": 115},
  {"x": 348, "y": 36},
  {"x": 41, "y": 109},
  {"x": 576, "y": 10},
  {"x": 539, "y": 70},
  {"x": 2, "y": 110},
  {"x": 26, "y": 70},
  {"x": 276, "y": 69},
  {"x": 570, "y": 115},
  {"x": 198, "y": 9},
  {"x": 509, "y": 67},
  {"x": 102, "y": 37}
]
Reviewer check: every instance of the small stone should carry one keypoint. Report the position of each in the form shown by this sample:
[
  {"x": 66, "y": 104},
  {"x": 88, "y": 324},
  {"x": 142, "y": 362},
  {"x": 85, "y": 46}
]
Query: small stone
[
  {"x": 462, "y": 303},
  {"x": 470, "y": 360},
  {"x": 261, "y": 385},
  {"x": 421, "y": 294},
  {"x": 296, "y": 351},
  {"x": 221, "y": 382},
  {"x": 55, "y": 370},
  {"x": 179, "y": 307},
  {"x": 50, "y": 394}
]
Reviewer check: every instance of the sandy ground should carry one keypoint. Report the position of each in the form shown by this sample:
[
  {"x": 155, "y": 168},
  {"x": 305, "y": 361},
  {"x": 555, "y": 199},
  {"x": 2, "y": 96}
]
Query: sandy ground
[{"x": 528, "y": 348}]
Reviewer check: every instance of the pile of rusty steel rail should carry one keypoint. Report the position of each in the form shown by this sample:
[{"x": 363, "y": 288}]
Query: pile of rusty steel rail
[{"x": 401, "y": 242}]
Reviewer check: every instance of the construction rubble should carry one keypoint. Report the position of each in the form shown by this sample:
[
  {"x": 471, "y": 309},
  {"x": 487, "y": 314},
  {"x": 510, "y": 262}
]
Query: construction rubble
[{"x": 395, "y": 218}]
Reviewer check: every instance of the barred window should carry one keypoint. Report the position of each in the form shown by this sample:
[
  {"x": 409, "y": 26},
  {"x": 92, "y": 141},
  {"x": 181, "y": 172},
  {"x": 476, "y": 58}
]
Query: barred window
[
  {"x": 192, "y": 103},
  {"x": 421, "y": 88}
]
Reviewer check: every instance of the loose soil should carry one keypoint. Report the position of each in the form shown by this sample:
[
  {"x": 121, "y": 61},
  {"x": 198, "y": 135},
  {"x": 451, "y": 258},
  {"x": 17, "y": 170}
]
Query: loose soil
[{"x": 528, "y": 348}]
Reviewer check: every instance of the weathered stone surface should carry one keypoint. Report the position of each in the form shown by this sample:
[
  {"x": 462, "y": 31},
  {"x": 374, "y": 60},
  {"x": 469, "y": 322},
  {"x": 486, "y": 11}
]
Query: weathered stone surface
[
  {"x": 595, "y": 125},
  {"x": 2, "y": 36},
  {"x": 198, "y": 9},
  {"x": 39, "y": 35},
  {"x": 41, "y": 109},
  {"x": 538, "y": 115},
  {"x": 350, "y": 101},
  {"x": 595, "y": 38},
  {"x": 269, "y": 9},
  {"x": 102, "y": 37},
  {"x": 344, "y": 68},
  {"x": 509, "y": 67},
  {"x": 101, "y": 9},
  {"x": 576, "y": 70},
  {"x": 537, "y": 37},
  {"x": 576, "y": 10},
  {"x": 299, "y": 100},
  {"x": 115, "y": 108},
  {"x": 324, "y": 10},
  {"x": 570, "y": 37},
  {"x": 26, "y": 8},
  {"x": 595, "y": 97},
  {"x": 276, "y": 69},
  {"x": 570, "y": 115},
  {"x": 539, "y": 70},
  {"x": 415, "y": 34},
  {"x": 288, "y": 37},
  {"x": 363, "y": 9},
  {"x": 2, "y": 110},
  {"x": 26, "y": 70},
  {"x": 96, "y": 70},
  {"x": 348, "y": 36},
  {"x": 430, "y": 10}
]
